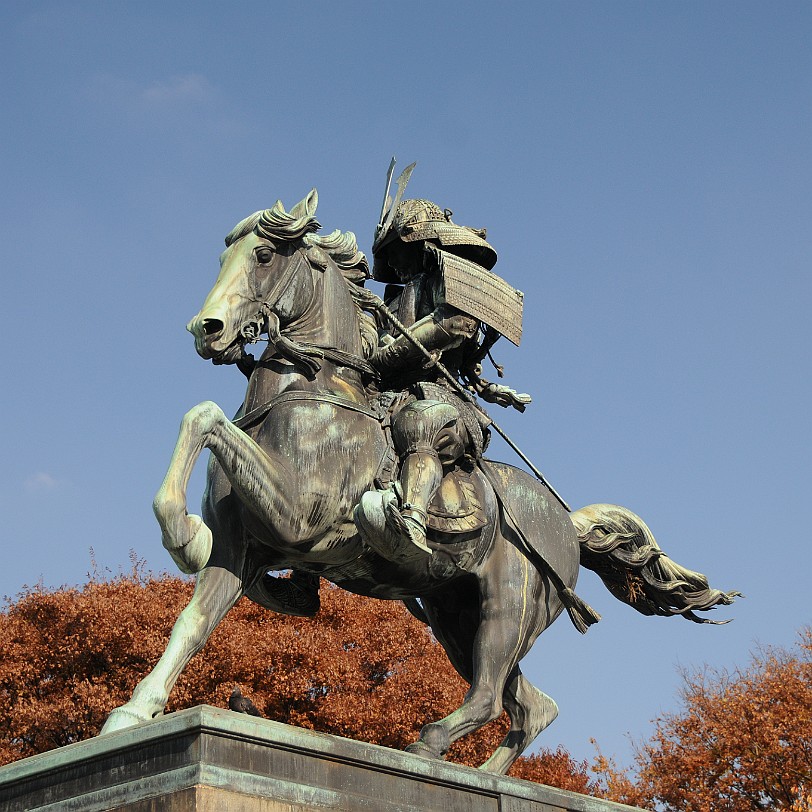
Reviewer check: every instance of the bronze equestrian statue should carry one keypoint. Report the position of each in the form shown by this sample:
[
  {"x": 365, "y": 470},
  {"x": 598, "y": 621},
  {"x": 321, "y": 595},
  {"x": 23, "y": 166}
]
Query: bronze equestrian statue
[{"x": 353, "y": 461}]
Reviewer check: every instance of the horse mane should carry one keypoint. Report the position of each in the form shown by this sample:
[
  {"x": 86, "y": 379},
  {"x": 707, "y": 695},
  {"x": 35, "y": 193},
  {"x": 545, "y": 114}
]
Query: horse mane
[
  {"x": 273, "y": 224},
  {"x": 300, "y": 222},
  {"x": 341, "y": 247}
]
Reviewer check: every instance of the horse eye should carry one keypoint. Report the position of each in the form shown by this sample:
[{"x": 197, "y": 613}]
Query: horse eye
[{"x": 264, "y": 255}]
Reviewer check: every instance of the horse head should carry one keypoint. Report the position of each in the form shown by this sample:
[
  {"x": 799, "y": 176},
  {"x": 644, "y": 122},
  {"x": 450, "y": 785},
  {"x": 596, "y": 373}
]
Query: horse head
[{"x": 259, "y": 286}]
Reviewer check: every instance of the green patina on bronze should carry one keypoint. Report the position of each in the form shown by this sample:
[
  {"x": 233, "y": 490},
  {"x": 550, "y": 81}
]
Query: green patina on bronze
[{"x": 357, "y": 456}]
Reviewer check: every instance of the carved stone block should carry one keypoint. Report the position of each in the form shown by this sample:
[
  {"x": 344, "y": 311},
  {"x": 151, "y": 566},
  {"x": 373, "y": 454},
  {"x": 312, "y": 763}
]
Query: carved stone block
[{"x": 206, "y": 759}]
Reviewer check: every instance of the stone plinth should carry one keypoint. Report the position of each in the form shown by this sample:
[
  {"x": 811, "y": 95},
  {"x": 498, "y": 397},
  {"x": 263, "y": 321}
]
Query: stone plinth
[{"x": 206, "y": 759}]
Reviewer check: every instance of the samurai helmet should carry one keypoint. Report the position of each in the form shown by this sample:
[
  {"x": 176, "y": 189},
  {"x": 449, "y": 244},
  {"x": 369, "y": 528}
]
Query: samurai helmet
[{"x": 421, "y": 221}]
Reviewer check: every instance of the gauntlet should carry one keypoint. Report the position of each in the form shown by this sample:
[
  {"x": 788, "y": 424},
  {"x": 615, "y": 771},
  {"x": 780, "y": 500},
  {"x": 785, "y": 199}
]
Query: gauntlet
[{"x": 443, "y": 330}]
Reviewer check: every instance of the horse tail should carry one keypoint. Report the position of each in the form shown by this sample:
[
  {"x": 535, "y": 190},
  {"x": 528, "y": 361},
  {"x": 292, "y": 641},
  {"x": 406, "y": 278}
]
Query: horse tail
[{"x": 619, "y": 547}]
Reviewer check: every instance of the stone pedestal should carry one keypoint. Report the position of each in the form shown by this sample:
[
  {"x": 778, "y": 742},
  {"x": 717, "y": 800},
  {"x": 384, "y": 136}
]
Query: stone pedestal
[{"x": 210, "y": 760}]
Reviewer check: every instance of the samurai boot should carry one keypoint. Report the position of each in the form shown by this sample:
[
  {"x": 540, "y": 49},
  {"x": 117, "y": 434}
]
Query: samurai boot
[
  {"x": 387, "y": 532},
  {"x": 396, "y": 528}
]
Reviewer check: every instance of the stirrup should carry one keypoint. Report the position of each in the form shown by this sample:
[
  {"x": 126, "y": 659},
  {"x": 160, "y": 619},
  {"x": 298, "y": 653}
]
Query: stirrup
[
  {"x": 387, "y": 532},
  {"x": 411, "y": 527}
]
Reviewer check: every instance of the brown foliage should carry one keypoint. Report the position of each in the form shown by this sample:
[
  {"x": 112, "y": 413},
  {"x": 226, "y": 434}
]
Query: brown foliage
[
  {"x": 362, "y": 668},
  {"x": 741, "y": 743},
  {"x": 557, "y": 768}
]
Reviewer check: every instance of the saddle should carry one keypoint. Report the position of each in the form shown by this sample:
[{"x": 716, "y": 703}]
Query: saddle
[{"x": 457, "y": 506}]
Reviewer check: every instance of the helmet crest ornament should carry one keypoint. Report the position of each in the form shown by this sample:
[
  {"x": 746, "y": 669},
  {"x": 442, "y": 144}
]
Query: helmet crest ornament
[{"x": 386, "y": 218}]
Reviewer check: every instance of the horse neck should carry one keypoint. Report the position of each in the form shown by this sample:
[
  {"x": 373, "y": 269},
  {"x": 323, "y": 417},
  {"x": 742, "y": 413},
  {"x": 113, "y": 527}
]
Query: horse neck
[{"x": 329, "y": 320}]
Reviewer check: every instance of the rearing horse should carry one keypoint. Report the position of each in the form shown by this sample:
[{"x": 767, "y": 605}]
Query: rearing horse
[{"x": 285, "y": 476}]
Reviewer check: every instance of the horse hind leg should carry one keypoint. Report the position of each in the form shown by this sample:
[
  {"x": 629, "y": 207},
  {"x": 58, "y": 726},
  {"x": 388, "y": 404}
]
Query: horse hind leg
[
  {"x": 509, "y": 619},
  {"x": 530, "y": 711},
  {"x": 483, "y": 702},
  {"x": 216, "y": 591}
]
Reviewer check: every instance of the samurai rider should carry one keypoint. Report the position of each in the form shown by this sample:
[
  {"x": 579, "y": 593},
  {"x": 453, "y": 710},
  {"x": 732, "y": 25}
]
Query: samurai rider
[{"x": 441, "y": 289}]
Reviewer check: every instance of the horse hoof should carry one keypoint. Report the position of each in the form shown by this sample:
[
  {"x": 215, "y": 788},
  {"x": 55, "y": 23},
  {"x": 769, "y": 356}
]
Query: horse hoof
[
  {"x": 192, "y": 556},
  {"x": 422, "y": 749},
  {"x": 122, "y": 718}
]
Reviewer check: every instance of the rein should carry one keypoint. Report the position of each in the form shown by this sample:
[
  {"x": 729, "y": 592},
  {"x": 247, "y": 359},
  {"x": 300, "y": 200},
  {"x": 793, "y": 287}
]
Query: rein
[
  {"x": 300, "y": 353},
  {"x": 252, "y": 328}
]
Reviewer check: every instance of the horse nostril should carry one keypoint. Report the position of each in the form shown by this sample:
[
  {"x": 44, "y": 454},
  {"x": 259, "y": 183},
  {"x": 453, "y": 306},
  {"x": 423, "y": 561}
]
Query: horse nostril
[{"x": 212, "y": 326}]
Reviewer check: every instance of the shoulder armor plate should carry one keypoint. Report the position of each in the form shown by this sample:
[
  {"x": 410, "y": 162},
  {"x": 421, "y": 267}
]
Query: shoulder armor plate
[{"x": 484, "y": 295}]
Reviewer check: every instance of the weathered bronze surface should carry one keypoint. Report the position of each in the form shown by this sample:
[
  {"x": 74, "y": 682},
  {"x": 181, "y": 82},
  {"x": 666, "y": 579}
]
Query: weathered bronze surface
[{"x": 333, "y": 466}]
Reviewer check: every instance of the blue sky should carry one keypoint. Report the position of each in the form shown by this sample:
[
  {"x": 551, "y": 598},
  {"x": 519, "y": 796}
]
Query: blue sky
[{"x": 643, "y": 168}]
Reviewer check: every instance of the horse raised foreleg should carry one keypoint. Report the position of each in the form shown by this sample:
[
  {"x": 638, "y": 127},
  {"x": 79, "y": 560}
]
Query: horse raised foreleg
[
  {"x": 530, "y": 711},
  {"x": 249, "y": 469},
  {"x": 185, "y": 536},
  {"x": 215, "y": 593}
]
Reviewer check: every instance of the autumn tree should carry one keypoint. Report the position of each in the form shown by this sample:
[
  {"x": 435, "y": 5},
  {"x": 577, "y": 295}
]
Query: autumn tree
[
  {"x": 362, "y": 668},
  {"x": 741, "y": 742}
]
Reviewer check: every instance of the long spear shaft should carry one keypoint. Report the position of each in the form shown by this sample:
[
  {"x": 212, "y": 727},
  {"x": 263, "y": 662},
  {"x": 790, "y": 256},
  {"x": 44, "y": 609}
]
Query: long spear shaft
[{"x": 378, "y": 303}]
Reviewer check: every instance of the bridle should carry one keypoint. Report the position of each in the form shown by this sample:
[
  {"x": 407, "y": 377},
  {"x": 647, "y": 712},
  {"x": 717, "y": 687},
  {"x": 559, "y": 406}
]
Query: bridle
[
  {"x": 253, "y": 328},
  {"x": 267, "y": 321}
]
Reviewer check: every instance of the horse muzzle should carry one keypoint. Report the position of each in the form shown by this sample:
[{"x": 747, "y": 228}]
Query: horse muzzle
[{"x": 211, "y": 339}]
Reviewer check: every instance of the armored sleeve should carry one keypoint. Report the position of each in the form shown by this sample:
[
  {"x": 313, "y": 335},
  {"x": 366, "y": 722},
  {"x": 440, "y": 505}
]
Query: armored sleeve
[{"x": 457, "y": 324}]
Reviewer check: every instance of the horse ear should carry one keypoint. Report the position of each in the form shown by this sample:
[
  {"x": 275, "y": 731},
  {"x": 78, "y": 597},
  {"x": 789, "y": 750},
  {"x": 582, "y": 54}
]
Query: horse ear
[{"x": 306, "y": 207}]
